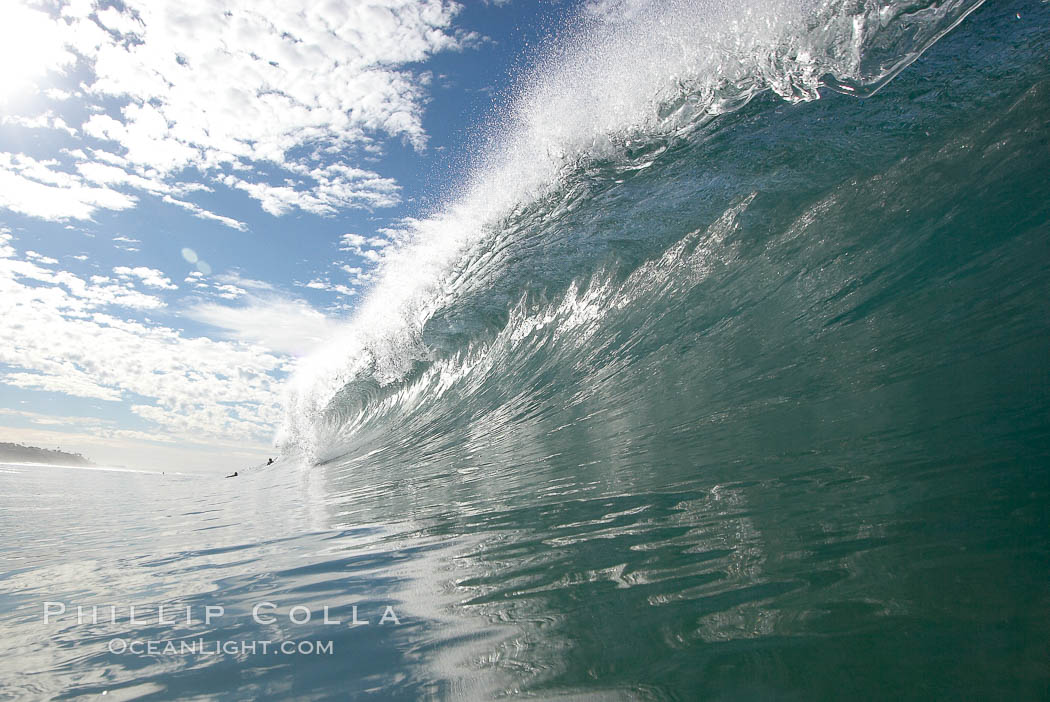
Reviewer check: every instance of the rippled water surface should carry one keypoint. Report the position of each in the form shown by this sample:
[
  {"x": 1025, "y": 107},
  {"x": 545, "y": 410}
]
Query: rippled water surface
[
  {"x": 796, "y": 575},
  {"x": 760, "y": 411}
]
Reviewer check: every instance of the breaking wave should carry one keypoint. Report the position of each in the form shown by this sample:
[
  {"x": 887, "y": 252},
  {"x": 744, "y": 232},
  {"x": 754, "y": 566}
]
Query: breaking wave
[{"x": 651, "y": 183}]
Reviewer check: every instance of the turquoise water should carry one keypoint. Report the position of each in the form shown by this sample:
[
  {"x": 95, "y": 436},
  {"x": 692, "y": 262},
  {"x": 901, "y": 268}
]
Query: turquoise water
[{"x": 746, "y": 407}]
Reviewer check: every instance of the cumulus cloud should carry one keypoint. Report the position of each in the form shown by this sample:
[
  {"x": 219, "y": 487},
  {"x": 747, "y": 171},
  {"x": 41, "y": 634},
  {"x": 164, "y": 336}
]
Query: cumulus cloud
[
  {"x": 370, "y": 248},
  {"x": 63, "y": 333},
  {"x": 47, "y": 120},
  {"x": 150, "y": 277},
  {"x": 63, "y": 377},
  {"x": 269, "y": 97},
  {"x": 68, "y": 292},
  {"x": 328, "y": 286},
  {"x": 40, "y": 258},
  {"x": 285, "y": 104},
  {"x": 69, "y": 334},
  {"x": 39, "y": 189}
]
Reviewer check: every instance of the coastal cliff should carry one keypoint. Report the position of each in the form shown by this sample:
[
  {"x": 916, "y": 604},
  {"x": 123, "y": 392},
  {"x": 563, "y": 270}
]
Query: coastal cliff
[{"x": 18, "y": 453}]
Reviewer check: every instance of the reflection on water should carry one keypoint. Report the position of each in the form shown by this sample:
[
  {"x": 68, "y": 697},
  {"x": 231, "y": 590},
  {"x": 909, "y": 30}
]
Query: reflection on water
[
  {"x": 796, "y": 578},
  {"x": 104, "y": 539}
]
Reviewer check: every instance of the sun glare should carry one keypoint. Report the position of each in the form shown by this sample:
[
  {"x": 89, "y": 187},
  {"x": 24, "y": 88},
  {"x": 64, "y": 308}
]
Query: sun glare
[{"x": 31, "y": 44}]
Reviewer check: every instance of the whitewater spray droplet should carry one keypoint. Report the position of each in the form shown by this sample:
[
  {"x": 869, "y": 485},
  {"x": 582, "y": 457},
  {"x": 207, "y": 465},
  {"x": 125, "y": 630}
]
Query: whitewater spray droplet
[{"x": 190, "y": 255}]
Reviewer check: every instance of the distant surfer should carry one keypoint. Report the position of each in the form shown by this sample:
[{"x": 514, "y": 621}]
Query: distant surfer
[
  {"x": 269, "y": 461},
  {"x": 232, "y": 475}
]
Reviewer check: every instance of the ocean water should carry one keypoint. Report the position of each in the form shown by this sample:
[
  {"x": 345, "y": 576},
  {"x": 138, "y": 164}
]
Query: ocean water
[{"x": 723, "y": 373}]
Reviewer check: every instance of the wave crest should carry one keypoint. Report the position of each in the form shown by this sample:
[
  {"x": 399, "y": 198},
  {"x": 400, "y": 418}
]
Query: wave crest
[{"x": 616, "y": 93}]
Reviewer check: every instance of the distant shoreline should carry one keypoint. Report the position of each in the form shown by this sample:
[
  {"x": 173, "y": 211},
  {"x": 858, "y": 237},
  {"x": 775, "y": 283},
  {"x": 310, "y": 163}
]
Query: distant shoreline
[{"x": 19, "y": 453}]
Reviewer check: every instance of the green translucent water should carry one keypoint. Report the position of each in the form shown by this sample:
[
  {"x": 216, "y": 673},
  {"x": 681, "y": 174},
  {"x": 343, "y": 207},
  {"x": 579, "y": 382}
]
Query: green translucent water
[{"x": 767, "y": 419}]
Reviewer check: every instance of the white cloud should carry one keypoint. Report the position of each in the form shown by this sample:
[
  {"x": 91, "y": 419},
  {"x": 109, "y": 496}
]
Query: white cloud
[
  {"x": 333, "y": 189},
  {"x": 230, "y": 292},
  {"x": 61, "y": 333},
  {"x": 119, "y": 22},
  {"x": 259, "y": 287},
  {"x": 372, "y": 249},
  {"x": 357, "y": 274},
  {"x": 66, "y": 378},
  {"x": 58, "y": 94},
  {"x": 67, "y": 293},
  {"x": 328, "y": 286},
  {"x": 126, "y": 243},
  {"x": 66, "y": 334},
  {"x": 39, "y": 189},
  {"x": 269, "y": 97},
  {"x": 202, "y": 213},
  {"x": 196, "y": 279},
  {"x": 47, "y": 120},
  {"x": 40, "y": 258},
  {"x": 281, "y": 324},
  {"x": 150, "y": 277},
  {"x": 106, "y": 174}
]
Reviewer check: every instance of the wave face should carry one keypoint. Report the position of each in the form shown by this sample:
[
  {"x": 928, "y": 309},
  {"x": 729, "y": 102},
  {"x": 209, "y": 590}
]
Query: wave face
[
  {"x": 712, "y": 389},
  {"x": 660, "y": 245}
]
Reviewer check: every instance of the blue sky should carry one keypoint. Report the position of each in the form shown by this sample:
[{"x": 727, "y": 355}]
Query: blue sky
[{"x": 194, "y": 195}]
